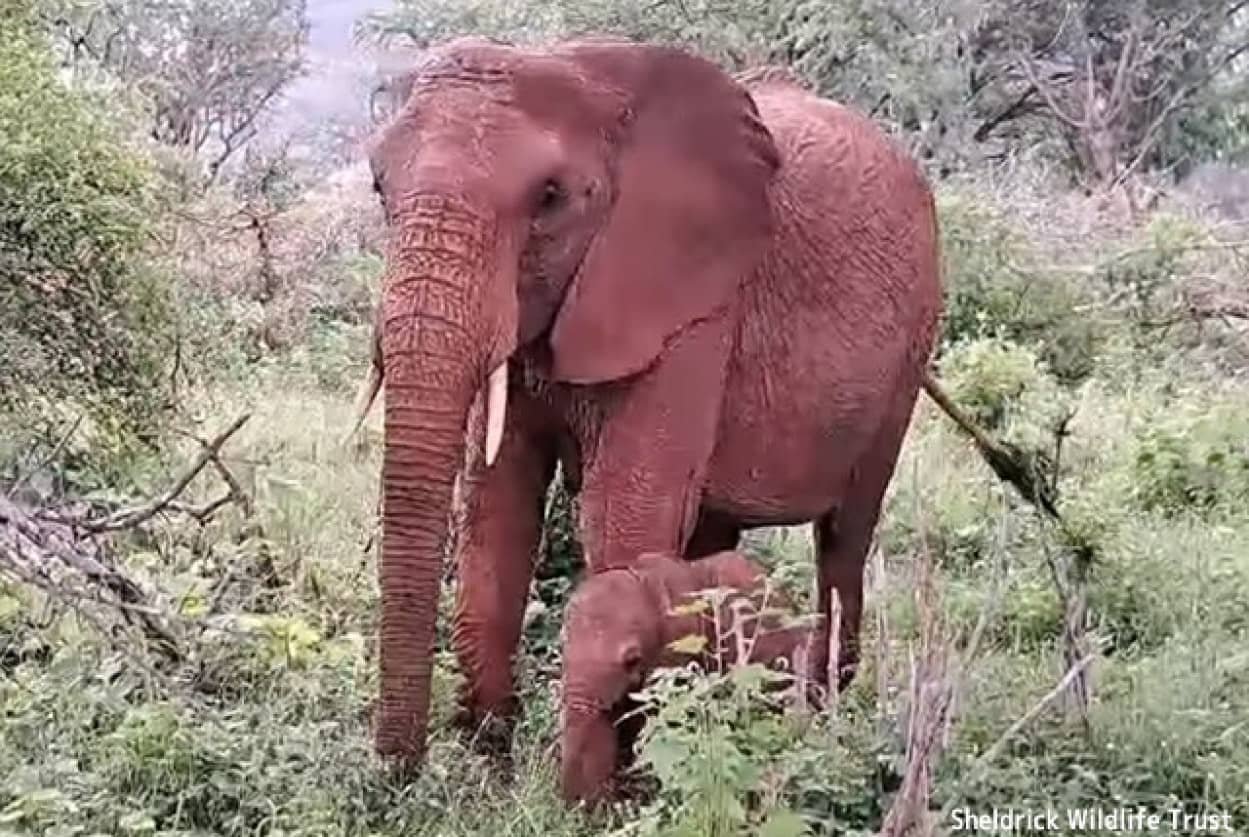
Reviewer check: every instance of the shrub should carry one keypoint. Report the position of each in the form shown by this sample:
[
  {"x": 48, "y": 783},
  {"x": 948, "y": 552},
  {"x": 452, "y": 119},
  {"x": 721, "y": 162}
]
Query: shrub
[
  {"x": 1008, "y": 388},
  {"x": 82, "y": 319},
  {"x": 994, "y": 289},
  {"x": 729, "y": 762},
  {"x": 1193, "y": 456}
]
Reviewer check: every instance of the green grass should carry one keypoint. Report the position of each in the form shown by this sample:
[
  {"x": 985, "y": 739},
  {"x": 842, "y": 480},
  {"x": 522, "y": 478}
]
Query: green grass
[{"x": 264, "y": 728}]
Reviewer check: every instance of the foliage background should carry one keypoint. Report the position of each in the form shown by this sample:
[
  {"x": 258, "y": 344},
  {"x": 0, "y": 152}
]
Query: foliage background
[{"x": 1095, "y": 317}]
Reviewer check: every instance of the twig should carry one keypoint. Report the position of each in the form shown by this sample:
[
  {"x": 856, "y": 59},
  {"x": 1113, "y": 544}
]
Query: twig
[
  {"x": 989, "y": 609},
  {"x": 834, "y": 652},
  {"x": 989, "y": 756},
  {"x": 883, "y": 642},
  {"x": 930, "y": 697},
  {"x": 203, "y": 513},
  {"x": 1028, "y": 717},
  {"x": 129, "y": 518}
]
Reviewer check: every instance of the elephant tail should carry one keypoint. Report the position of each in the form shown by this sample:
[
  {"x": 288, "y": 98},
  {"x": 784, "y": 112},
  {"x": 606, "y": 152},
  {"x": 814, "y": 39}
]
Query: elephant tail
[{"x": 1011, "y": 464}]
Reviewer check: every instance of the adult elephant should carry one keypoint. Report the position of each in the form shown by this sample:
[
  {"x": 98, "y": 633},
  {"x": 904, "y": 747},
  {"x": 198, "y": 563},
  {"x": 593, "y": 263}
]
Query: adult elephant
[{"x": 713, "y": 298}]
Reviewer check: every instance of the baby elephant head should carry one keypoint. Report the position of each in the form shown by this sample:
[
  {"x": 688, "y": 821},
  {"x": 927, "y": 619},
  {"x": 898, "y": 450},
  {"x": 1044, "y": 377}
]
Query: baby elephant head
[{"x": 619, "y": 627}]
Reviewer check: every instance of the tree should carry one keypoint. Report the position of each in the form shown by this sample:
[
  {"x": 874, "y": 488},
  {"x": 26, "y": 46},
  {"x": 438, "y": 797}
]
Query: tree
[
  {"x": 1123, "y": 86},
  {"x": 209, "y": 71},
  {"x": 1122, "y": 82}
]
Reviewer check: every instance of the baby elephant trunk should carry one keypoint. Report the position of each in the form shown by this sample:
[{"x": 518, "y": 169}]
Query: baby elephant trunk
[{"x": 588, "y": 757}]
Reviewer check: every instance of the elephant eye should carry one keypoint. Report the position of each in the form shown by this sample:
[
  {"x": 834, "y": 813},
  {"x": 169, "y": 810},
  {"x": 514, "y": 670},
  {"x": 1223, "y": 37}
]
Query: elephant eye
[{"x": 551, "y": 196}]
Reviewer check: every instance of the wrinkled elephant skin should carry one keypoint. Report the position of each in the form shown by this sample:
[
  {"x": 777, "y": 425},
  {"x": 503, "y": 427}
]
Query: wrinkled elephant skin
[
  {"x": 622, "y": 625},
  {"x": 712, "y": 298}
]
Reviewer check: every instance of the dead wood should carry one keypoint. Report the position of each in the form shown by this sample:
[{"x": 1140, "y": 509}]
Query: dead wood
[{"x": 64, "y": 550}]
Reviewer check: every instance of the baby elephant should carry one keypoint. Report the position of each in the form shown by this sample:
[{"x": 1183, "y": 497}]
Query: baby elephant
[{"x": 619, "y": 625}]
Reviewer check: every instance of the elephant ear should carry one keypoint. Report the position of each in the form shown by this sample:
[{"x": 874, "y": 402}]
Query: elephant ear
[{"x": 691, "y": 216}]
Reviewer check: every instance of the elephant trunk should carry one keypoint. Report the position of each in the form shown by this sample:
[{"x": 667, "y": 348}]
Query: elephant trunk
[
  {"x": 434, "y": 362},
  {"x": 589, "y": 755}
]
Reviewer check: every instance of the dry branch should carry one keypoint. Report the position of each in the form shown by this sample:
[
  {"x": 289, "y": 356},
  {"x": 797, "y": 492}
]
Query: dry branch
[
  {"x": 930, "y": 702},
  {"x": 60, "y": 550},
  {"x": 990, "y": 755},
  {"x": 48, "y": 552},
  {"x": 129, "y": 518}
]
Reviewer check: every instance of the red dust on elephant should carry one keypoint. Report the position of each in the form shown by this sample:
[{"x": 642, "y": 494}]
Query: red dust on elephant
[
  {"x": 713, "y": 299},
  {"x": 626, "y": 622}
]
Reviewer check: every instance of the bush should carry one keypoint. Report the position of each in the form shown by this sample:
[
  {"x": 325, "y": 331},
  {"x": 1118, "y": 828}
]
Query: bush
[
  {"x": 1008, "y": 389},
  {"x": 82, "y": 318},
  {"x": 994, "y": 288},
  {"x": 1193, "y": 456},
  {"x": 729, "y": 761}
]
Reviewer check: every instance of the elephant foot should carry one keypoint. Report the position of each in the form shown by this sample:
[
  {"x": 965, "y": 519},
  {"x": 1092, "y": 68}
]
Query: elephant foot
[{"x": 818, "y": 677}]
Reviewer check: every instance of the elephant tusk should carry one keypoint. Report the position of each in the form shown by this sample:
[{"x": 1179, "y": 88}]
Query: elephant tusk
[
  {"x": 371, "y": 386},
  {"x": 496, "y": 411},
  {"x": 365, "y": 399}
]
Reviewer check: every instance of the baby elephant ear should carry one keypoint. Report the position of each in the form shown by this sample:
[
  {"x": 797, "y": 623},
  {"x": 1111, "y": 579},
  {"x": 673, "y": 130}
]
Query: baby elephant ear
[{"x": 691, "y": 217}]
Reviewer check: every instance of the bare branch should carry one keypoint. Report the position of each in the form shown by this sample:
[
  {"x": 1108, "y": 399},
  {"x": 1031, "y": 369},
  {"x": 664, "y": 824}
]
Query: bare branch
[
  {"x": 129, "y": 518},
  {"x": 31, "y": 546}
]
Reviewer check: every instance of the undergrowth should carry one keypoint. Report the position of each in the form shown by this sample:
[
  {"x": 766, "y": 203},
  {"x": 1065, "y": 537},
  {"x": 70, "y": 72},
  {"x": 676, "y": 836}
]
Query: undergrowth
[{"x": 263, "y": 727}]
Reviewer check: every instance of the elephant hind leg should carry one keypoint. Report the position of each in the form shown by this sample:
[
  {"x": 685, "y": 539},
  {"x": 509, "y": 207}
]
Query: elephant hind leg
[{"x": 844, "y": 536}]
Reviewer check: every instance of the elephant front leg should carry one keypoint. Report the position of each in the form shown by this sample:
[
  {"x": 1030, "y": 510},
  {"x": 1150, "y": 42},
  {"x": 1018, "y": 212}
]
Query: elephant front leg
[
  {"x": 643, "y": 481},
  {"x": 500, "y": 530}
]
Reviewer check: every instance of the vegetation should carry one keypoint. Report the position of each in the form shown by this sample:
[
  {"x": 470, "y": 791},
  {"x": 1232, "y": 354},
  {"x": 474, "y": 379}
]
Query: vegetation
[
  {"x": 206, "y": 73},
  {"x": 1109, "y": 88},
  {"x": 152, "y": 331},
  {"x": 81, "y": 315}
]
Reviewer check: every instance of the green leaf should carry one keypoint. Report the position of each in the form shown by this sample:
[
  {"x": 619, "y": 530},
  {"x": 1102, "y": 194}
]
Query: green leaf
[
  {"x": 663, "y": 755},
  {"x": 783, "y": 822},
  {"x": 689, "y": 644},
  {"x": 193, "y": 605},
  {"x": 693, "y": 608}
]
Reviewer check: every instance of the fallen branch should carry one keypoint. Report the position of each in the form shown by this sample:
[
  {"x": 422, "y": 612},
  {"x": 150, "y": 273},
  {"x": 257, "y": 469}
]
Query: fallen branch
[
  {"x": 1196, "y": 312},
  {"x": 73, "y": 600},
  {"x": 129, "y": 518},
  {"x": 38, "y": 549},
  {"x": 59, "y": 550}
]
